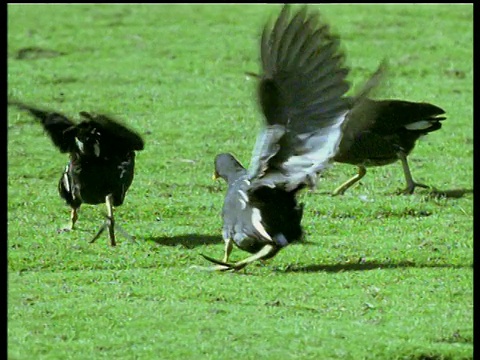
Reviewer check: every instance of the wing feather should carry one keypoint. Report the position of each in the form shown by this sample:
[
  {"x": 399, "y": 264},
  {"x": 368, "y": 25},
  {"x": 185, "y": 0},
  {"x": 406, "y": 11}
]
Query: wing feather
[{"x": 301, "y": 94}]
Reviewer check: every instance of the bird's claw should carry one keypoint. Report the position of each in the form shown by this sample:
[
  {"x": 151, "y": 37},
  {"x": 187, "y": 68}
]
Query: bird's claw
[
  {"x": 63, "y": 230},
  {"x": 411, "y": 188},
  {"x": 108, "y": 224},
  {"x": 221, "y": 266}
]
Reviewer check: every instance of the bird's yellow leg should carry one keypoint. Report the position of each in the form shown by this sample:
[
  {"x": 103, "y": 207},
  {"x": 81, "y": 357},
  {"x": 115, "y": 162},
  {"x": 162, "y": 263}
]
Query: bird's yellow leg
[
  {"x": 73, "y": 218},
  {"x": 411, "y": 184},
  {"x": 228, "y": 249},
  {"x": 264, "y": 252},
  {"x": 362, "y": 170},
  {"x": 111, "y": 222}
]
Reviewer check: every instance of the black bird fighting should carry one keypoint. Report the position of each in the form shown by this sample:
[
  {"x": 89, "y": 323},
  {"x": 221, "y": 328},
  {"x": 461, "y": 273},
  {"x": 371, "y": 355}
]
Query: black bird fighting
[
  {"x": 102, "y": 161},
  {"x": 302, "y": 96}
]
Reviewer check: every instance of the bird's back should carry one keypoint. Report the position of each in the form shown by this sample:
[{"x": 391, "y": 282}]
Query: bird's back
[
  {"x": 376, "y": 130},
  {"x": 94, "y": 178}
]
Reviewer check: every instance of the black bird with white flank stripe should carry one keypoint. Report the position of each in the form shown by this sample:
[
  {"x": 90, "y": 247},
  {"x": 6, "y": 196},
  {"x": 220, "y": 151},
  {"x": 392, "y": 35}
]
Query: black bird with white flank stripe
[
  {"x": 302, "y": 97},
  {"x": 102, "y": 160},
  {"x": 380, "y": 132}
]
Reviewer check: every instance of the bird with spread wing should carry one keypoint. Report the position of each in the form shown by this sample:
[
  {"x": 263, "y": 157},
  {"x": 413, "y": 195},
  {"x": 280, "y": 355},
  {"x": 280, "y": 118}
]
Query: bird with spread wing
[
  {"x": 102, "y": 160},
  {"x": 301, "y": 93}
]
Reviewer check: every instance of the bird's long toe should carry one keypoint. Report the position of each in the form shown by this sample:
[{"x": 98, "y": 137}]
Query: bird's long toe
[
  {"x": 111, "y": 230},
  {"x": 411, "y": 188},
  {"x": 112, "y": 226},
  {"x": 340, "y": 190},
  {"x": 64, "y": 229},
  {"x": 222, "y": 266},
  {"x": 99, "y": 232}
]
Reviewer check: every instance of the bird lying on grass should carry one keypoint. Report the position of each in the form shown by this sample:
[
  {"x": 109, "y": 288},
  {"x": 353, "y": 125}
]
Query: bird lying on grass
[
  {"x": 102, "y": 161},
  {"x": 301, "y": 94},
  {"x": 388, "y": 133}
]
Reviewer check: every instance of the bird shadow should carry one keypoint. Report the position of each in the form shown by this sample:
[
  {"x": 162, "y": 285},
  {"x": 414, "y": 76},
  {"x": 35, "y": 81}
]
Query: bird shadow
[
  {"x": 364, "y": 266},
  {"x": 433, "y": 193},
  {"x": 448, "y": 194},
  {"x": 189, "y": 241}
]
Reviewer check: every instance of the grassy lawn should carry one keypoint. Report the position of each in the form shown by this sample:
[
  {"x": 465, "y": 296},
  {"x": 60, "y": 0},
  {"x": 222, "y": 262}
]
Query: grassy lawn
[{"x": 380, "y": 276}]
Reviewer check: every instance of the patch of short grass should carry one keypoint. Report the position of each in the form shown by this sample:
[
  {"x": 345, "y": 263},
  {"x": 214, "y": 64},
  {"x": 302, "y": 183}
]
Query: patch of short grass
[{"x": 379, "y": 276}]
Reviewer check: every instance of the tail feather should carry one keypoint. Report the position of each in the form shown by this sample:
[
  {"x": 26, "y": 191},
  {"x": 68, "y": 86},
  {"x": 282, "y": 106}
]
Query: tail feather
[{"x": 426, "y": 118}]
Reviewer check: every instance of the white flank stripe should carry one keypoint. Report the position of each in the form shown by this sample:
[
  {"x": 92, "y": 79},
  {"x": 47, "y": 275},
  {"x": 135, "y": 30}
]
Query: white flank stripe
[
  {"x": 257, "y": 224},
  {"x": 243, "y": 195},
  {"x": 243, "y": 204},
  {"x": 79, "y": 145},
  {"x": 96, "y": 149},
  {"x": 65, "y": 179}
]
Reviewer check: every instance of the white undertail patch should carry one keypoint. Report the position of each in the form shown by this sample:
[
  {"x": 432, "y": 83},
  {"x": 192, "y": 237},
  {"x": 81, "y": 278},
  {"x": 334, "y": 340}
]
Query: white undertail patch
[
  {"x": 419, "y": 125},
  {"x": 243, "y": 200}
]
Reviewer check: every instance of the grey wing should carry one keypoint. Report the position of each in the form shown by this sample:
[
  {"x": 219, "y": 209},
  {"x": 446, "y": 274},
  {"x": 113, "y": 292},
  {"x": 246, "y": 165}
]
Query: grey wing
[{"x": 301, "y": 93}]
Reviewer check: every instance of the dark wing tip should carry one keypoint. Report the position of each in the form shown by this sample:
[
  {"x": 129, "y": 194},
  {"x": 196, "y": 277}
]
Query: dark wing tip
[
  {"x": 373, "y": 81},
  {"x": 56, "y": 125},
  {"x": 116, "y": 129},
  {"x": 304, "y": 75}
]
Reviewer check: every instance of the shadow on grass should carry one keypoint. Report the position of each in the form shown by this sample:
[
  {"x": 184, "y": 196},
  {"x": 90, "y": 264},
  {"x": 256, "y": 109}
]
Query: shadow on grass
[
  {"x": 431, "y": 193},
  {"x": 372, "y": 265},
  {"x": 449, "y": 194},
  {"x": 189, "y": 241}
]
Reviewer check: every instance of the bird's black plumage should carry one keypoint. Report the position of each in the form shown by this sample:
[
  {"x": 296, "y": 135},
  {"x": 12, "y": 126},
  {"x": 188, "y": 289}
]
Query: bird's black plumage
[
  {"x": 302, "y": 97},
  {"x": 380, "y": 132},
  {"x": 102, "y": 159},
  {"x": 255, "y": 218}
]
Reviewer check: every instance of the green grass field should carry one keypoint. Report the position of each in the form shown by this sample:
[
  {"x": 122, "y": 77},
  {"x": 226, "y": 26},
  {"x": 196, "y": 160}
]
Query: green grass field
[{"x": 380, "y": 276}]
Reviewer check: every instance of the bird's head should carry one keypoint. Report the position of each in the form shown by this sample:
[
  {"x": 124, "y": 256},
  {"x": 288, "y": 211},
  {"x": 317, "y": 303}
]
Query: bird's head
[{"x": 227, "y": 167}]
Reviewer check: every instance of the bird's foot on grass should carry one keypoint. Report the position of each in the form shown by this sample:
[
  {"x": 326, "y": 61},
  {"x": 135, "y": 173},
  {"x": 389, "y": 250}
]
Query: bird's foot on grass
[
  {"x": 111, "y": 226},
  {"x": 221, "y": 266},
  {"x": 411, "y": 188},
  {"x": 338, "y": 191},
  {"x": 64, "y": 229}
]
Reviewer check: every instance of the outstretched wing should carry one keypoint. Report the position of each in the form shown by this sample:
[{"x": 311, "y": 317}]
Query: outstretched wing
[
  {"x": 114, "y": 134},
  {"x": 55, "y": 124},
  {"x": 301, "y": 93}
]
